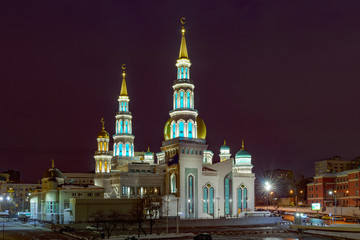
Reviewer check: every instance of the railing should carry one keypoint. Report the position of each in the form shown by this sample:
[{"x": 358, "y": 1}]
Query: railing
[{"x": 184, "y": 139}]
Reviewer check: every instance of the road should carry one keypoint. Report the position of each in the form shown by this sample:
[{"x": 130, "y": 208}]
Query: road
[{"x": 17, "y": 230}]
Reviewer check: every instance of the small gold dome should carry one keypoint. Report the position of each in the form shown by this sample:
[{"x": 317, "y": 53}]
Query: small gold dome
[
  {"x": 103, "y": 134},
  {"x": 167, "y": 129},
  {"x": 201, "y": 128}
]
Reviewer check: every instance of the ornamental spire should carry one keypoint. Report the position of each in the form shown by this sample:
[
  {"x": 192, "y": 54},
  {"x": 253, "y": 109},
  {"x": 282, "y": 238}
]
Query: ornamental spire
[
  {"x": 52, "y": 163},
  {"x": 123, "y": 91},
  {"x": 242, "y": 145},
  {"x": 183, "y": 50},
  {"x": 103, "y": 123}
]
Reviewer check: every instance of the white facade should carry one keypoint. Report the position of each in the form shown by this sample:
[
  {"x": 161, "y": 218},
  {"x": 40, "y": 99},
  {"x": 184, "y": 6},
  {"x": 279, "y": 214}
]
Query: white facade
[{"x": 184, "y": 173}]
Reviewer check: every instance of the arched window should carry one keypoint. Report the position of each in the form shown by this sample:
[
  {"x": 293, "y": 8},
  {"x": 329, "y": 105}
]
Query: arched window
[
  {"x": 127, "y": 150},
  {"x": 178, "y": 73},
  {"x": 173, "y": 183},
  {"x": 181, "y": 129},
  {"x": 227, "y": 194},
  {"x": 186, "y": 73},
  {"x": 122, "y": 106},
  {"x": 187, "y": 151},
  {"x": 117, "y": 127},
  {"x": 188, "y": 99},
  {"x": 121, "y": 126},
  {"x": 115, "y": 150},
  {"x": 120, "y": 150},
  {"x": 176, "y": 100},
  {"x": 105, "y": 166},
  {"x": 239, "y": 200},
  {"x": 100, "y": 167},
  {"x": 126, "y": 127},
  {"x": 132, "y": 150},
  {"x": 190, "y": 128},
  {"x": 100, "y": 149},
  {"x": 205, "y": 197},
  {"x": 196, "y": 151},
  {"x": 174, "y": 132},
  {"x": 191, "y": 194},
  {"x": 245, "y": 198},
  {"x": 181, "y": 99},
  {"x": 104, "y": 146},
  {"x": 211, "y": 201},
  {"x": 182, "y": 72},
  {"x": 125, "y": 107},
  {"x": 182, "y": 150}
]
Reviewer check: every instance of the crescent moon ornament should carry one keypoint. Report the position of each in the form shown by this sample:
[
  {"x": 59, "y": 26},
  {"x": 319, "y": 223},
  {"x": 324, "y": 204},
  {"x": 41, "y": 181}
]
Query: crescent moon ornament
[
  {"x": 103, "y": 123},
  {"x": 123, "y": 66},
  {"x": 182, "y": 20}
]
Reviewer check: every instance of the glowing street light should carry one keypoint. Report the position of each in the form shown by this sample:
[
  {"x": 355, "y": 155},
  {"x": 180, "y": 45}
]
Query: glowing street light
[
  {"x": 268, "y": 188},
  {"x": 334, "y": 193}
]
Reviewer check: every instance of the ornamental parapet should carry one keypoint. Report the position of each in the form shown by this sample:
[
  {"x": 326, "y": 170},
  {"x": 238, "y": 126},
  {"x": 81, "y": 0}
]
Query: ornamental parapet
[{"x": 106, "y": 153}]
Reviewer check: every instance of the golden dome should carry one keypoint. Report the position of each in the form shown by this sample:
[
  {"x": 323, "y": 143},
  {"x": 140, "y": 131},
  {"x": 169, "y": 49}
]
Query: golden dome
[
  {"x": 201, "y": 128},
  {"x": 103, "y": 134},
  {"x": 167, "y": 129}
]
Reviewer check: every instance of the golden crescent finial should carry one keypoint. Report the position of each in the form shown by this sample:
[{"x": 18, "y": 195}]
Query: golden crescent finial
[
  {"x": 103, "y": 123},
  {"x": 242, "y": 145},
  {"x": 123, "y": 66},
  {"x": 224, "y": 141},
  {"x": 52, "y": 163},
  {"x": 182, "y": 20}
]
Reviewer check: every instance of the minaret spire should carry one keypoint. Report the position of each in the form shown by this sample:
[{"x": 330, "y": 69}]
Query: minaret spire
[
  {"x": 242, "y": 145},
  {"x": 123, "y": 91},
  {"x": 183, "y": 50}
]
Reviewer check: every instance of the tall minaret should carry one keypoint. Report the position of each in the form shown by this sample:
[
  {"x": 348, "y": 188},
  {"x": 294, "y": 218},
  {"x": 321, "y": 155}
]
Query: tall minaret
[
  {"x": 102, "y": 155},
  {"x": 184, "y": 121},
  {"x": 123, "y": 139}
]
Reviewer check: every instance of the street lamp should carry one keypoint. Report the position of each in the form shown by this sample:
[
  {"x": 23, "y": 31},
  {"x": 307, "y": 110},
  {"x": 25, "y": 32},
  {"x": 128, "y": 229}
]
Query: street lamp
[
  {"x": 334, "y": 193},
  {"x": 267, "y": 188}
]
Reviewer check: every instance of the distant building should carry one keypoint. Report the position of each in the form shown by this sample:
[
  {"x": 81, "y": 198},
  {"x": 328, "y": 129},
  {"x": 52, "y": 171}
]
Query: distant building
[
  {"x": 51, "y": 202},
  {"x": 335, "y": 164},
  {"x": 344, "y": 186},
  {"x": 11, "y": 176},
  {"x": 15, "y": 196}
]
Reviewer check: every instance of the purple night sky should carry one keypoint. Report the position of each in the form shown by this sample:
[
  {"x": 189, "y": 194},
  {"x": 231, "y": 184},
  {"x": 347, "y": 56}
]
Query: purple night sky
[{"x": 282, "y": 75}]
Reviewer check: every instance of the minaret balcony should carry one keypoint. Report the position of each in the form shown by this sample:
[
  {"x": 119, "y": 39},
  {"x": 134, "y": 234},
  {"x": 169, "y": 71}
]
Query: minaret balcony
[
  {"x": 123, "y": 113},
  {"x": 184, "y": 140},
  {"x": 105, "y": 153},
  {"x": 183, "y": 111}
]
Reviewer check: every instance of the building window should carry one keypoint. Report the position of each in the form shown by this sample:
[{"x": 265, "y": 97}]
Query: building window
[
  {"x": 181, "y": 129},
  {"x": 211, "y": 201},
  {"x": 176, "y": 101},
  {"x": 126, "y": 127},
  {"x": 181, "y": 99},
  {"x": 89, "y": 194},
  {"x": 227, "y": 194},
  {"x": 173, "y": 183},
  {"x": 127, "y": 150},
  {"x": 188, "y": 99},
  {"x": 174, "y": 128},
  {"x": 121, "y": 126},
  {"x": 190, "y": 127},
  {"x": 191, "y": 194},
  {"x": 205, "y": 196}
]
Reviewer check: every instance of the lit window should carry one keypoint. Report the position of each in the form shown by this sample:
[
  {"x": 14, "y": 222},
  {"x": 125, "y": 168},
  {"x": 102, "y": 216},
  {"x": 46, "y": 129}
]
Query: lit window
[
  {"x": 175, "y": 100},
  {"x": 120, "y": 150},
  {"x": 174, "y": 127},
  {"x": 188, "y": 100},
  {"x": 121, "y": 126},
  {"x": 190, "y": 135},
  {"x": 125, "y": 106},
  {"x": 126, "y": 127},
  {"x": 181, "y": 99},
  {"x": 122, "y": 106},
  {"x": 127, "y": 150},
  {"x": 182, "y": 73},
  {"x": 181, "y": 129}
]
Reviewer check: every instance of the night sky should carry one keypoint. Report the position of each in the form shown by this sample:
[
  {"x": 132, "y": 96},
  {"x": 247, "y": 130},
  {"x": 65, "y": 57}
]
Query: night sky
[{"x": 282, "y": 75}]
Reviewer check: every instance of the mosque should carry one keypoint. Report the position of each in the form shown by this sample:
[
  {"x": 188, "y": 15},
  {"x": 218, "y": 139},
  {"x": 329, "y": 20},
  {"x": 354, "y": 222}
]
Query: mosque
[{"x": 184, "y": 172}]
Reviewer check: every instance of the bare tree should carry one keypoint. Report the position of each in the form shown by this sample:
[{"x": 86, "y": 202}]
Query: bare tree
[
  {"x": 138, "y": 213},
  {"x": 108, "y": 222},
  {"x": 152, "y": 209}
]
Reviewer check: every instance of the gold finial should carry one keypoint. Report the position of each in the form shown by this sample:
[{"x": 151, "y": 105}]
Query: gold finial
[
  {"x": 242, "y": 145},
  {"x": 123, "y": 68},
  {"x": 224, "y": 142},
  {"x": 183, "y": 50},
  {"x": 52, "y": 163},
  {"x": 103, "y": 123},
  {"x": 148, "y": 149},
  {"x": 123, "y": 91}
]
